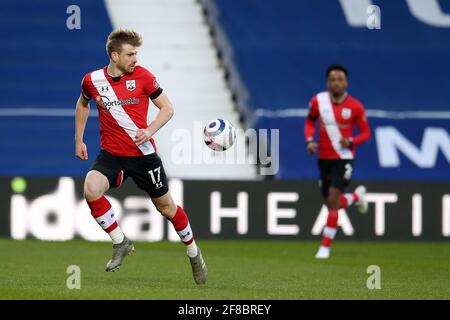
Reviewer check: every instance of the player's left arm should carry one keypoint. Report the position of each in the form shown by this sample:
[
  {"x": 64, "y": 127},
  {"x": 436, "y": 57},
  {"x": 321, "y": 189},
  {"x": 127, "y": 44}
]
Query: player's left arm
[
  {"x": 363, "y": 126},
  {"x": 364, "y": 129},
  {"x": 166, "y": 111}
]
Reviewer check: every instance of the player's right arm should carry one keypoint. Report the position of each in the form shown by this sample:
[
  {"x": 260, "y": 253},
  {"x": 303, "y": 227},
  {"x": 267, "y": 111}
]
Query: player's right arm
[
  {"x": 310, "y": 126},
  {"x": 81, "y": 116}
]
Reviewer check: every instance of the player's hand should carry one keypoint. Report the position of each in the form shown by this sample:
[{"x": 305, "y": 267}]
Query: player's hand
[
  {"x": 346, "y": 143},
  {"x": 81, "y": 150},
  {"x": 142, "y": 136},
  {"x": 311, "y": 147}
]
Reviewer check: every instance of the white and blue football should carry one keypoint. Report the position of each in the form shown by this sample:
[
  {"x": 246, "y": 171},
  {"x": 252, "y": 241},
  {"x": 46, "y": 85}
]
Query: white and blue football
[{"x": 219, "y": 134}]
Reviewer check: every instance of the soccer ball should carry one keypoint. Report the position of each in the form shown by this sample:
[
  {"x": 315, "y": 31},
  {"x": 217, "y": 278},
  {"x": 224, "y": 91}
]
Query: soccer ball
[{"x": 219, "y": 134}]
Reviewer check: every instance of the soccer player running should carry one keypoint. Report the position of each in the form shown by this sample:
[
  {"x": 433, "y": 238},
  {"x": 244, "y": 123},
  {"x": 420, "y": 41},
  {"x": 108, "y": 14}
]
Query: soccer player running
[
  {"x": 122, "y": 92},
  {"x": 338, "y": 113}
]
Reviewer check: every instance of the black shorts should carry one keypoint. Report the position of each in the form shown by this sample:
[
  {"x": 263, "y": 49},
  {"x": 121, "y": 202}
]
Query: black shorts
[
  {"x": 334, "y": 173},
  {"x": 146, "y": 171}
]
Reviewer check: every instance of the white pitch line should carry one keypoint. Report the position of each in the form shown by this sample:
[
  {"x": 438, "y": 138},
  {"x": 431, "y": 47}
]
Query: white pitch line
[
  {"x": 371, "y": 113},
  {"x": 283, "y": 113},
  {"x": 41, "y": 112}
]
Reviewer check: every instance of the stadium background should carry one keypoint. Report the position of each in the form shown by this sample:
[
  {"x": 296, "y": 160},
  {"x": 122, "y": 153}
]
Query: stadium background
[{"x": 257, "y": 64}]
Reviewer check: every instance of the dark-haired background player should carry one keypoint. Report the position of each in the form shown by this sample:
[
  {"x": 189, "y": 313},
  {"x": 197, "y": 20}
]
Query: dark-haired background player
[{"x": 338, "y": 113}]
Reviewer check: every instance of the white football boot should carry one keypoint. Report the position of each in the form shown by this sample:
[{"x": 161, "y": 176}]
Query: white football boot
[
  {"x": 361, "y": 204},
  {"x": 323, "y": 253}
]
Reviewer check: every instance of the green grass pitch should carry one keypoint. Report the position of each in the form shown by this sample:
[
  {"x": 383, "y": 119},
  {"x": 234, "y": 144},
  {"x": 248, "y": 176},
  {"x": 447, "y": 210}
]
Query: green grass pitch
[{"x": 34, "y": 269}]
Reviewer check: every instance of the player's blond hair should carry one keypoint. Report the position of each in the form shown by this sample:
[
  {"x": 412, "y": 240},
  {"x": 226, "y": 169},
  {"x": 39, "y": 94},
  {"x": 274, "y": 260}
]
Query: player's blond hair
[{"x": 119, "y": 37}]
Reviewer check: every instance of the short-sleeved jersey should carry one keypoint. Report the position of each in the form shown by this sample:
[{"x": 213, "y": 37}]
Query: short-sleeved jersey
[
  {"x": 122, "y": 104},
  {"x": 336, "y": 121}
]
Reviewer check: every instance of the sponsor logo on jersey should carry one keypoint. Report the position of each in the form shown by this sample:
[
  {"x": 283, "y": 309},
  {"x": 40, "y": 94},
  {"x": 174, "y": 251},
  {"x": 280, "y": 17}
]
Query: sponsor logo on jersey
[{"x": 104, "y": 104}]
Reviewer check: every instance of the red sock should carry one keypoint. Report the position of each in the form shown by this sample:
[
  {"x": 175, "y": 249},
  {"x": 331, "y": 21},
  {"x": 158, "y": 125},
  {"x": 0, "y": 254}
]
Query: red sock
[
  {"x": 181, "y": 224},
  {"x": 348, "y": 199},
  {"x": 330, "y": 229},
  {"x": 102, "y": 211}
]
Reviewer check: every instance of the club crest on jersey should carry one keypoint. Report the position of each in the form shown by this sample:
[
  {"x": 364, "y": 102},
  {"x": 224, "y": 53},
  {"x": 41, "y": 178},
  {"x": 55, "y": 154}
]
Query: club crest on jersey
[
  {"x": 346, "y": 113},
  {"x": 130, "y": 84}
]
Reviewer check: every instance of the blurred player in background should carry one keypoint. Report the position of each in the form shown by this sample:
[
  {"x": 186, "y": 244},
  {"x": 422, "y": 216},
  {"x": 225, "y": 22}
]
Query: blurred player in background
[
  {"x": 122, "y": 91},
  {"x": 338, "y": 113}
]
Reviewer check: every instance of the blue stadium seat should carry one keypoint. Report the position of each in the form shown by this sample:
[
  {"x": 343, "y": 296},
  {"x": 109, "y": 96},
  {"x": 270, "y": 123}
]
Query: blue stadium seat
[
  {"x": 277, "y": 52},
  {"x": 42, "y": 67},
  {"x": 282, "y": 48}
]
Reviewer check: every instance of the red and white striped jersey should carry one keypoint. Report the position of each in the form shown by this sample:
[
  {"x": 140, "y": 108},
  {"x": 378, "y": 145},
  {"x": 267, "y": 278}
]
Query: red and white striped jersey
[
  {"x": 336, "y": 121},
  {"x": 122, "y": 104}
]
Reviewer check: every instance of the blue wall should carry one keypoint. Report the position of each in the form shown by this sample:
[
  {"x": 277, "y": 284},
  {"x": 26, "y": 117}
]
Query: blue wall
[
  {"x": 295, "y": 163},
  {"x": 42, "y": 65},
  {"x": 281, "y": 49}
]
